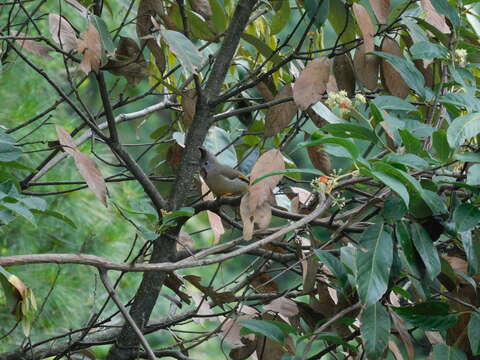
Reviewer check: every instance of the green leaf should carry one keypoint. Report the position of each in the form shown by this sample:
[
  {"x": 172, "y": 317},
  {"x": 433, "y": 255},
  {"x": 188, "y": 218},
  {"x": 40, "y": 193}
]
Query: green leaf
[
  {"x": 410, "y": 160},
  {"x": 348, "y": 145},
  {"x": 408, "y": 250},
  {"x": 444, "y": 8},
  {"x": 460, "y": 100},
  {"x": 327, "y": 115},
  {"x": 472, "y": 251},
  {"x": 219, "y": 17},
  {"x": 430, "y": 315},
  {"x": 18, "y": 208},
  {"x": 374, "y": 264},
  {"x": 444, "y": 352},
  {"x": 8, "y": 150},
  {"x": 412, "y": 76},
  {"x": 394, "y": 208},
  {"x": 289, "y": 171},
  {"x": 262, "y": 48},
  {"x": 412, "y": 143},
  {"x": 104, "y": 34},
  {"x": 468, "y": 157},
  {"x": 444, "y": 39},
  {"x": 427, "y": 251},
  {"x": 351, "y": 131},
  {"x": 342, "y": 21},
  {"x": 280, "y": 19},
  {"x": 375, "y": 330},
  {"x": 427, "y": 50},
  {"x": 474, "y": 332},
  {"x": 473, "y": 175},
  {"x": 186, "y": 53},
  {"x": 466, "y": 216},
  {"x": 393, "y": 183},
  {"x": 317, "y": 9},
  {"x": 57, "y": 215},
  {"x": 264, "y": 328},
  {"x": 463, "y": 128},
  {"x": 440, "y": 144},
  {"x": 182, "y": 212},
  {"x": 388, "y": 102},
  {"x": 334, "y": 265}
]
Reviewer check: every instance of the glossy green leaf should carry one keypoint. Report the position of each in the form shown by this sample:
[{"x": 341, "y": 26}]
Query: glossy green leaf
[
  {"x": 474, "y": 333},
  {"x": 441, "y": 146},
  {"x": 472, "y": 251},
  {"x": 445, "y": 352},
  {"x": 468, "y": 157},
  {"x": 410, "y": 160},
  {"x": 280, "y": 19},
  {"x": 473, "y": 175},
  {"x": 264, "y": 328},
  {"x": 57, "y": 215},
  {"x": 105, "y": 36},
  {"x": 466, "y": 216},
  {"x": 412, "y": 143},
  {"x": 219, "y": 17},
  {"x": 463, "y": 128},
  {"x": 375, "y": 330},
  {"x": 438, "y": 34},
  {"x": 351, "y": 131},
  {"x": 388, "y": 102},
  {"x": 393, "y": 183},
  {"x": 317, "y": 10},
  {"x": 430, "y": 315},
  {"x": 19, "y": 209},
  {"x": 326, "y": 113},
  {"x": 334, "y": 265},
  {"x": 444, "y": 8},
  {"x": 426, "y": 250},
  {"x": 394, "y": 208},
  {"x": 8, "y": 150},
  {"x": 342, "y": 21},
  {"x": 428, "y": 50},
  {"x": 374, "y": 264},
  {"x": 186, "y": 53},
  {"x": 412, "y": 76},
  {"x": 262, "y": 48}
]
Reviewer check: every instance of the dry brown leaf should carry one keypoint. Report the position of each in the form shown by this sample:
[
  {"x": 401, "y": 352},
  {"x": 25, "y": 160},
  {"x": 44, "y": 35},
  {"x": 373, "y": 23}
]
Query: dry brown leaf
[
  {"x": 62, "y": 32},
  {"x": 283, "y": 306},
  {"x": 427, "y": 72},
  {"x": 231, "y": 331},
  {"x": 265, "y": 91},
  {"x": 86, "y": 166},
  {"x": 300, "y": 201},
  {"x": 366, "y": 26},
  {"x": 90, "y": 45},
  {"x": 279, "y": 116},
  {"x": 264, "y": 283},
  {"x": 381, "y": 8},
  {"x": 174, "y": 156},
  {"x": 434, "y": 18},
  {"x": 184, "y": 241},
  {"x": 174, "y": 283},
  {"x": 189, "y": 104},
  {"x": 395, "y": 350},
  {"x": 309, "y": 273},
  {"x": 320, "y": 159},
  {"x": 215, "y": 221},
  {"x": 393, "y": 81},
  {"x": 344, "y": 74},
  {"x": 243, "y": 352},
  {"x": 332, "y": 84},
  {"x": 255, "y": 204},
  {"x": 202, "y": 7},
  {"x": 202, "y": 306},
  {"x": 366, "y": 68},
  {"x": 146, "y": 11},
  {"x": 31, "y": 45},
  {"x": 218, "y": 298},
  {"x": 129, "y": 61},
  {"x": 312, "y": 83}
]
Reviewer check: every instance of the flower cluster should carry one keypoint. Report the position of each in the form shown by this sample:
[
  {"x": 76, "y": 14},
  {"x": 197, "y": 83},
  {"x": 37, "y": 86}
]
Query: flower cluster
[
  {"x": 460, "y": 57},
  {"x": 341, "y": 99}
]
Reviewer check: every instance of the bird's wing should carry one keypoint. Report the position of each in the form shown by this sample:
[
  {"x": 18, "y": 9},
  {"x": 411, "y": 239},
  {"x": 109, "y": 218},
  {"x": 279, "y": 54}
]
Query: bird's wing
[{"x": 233, "y": 173}]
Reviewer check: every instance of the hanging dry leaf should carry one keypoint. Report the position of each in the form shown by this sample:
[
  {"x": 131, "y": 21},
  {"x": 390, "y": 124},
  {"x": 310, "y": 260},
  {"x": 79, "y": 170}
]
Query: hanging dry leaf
[
  {"x": 231, "y": 331},
  {"x": 283, "y": 306},
  {"x": 174, "y": 283},
  {"x": 90, "y": 45},
  {"x": 243, "y": 352},
  {"x": 427, "y": 72},
  {"x": 381, "y": 8},
  {"x": 189, "y": 104},
  {"x": 320, "y": 159},
  {"x": 31, "y": 45},
  {"x": 203, "y": 308},
  {"x": 215, "y": 221},
  {"x": 312, "y": 83},
  {"x": 129, "y": 62},
  {"x": 247, "y": 217},
  {"x": 184, "y": 241},
  {"x": 62, "y": 32},
  {"x": 301, "y": 199},
  {"x": 146, "y": 11},
  {"x": 279, "y": 116},
  {"x": 202, "y": 7},
  {"x": 404, "y": 334},
  {"x": 366, "y": 68},
  {"x": 86, "y": 166},
  {"x": 393, "y": 81},
  {"x": 365, "y": 24},
  {"x": 332, "y": 84},
  {"x": 393, "y": 347},
  {"x": 309, "y": 272},
  {"x": 265, "y": 91},
  {"x": 218, "y": 298},
  {"x": 434, "y": 18},
  {"x": 344, "y": 74}
]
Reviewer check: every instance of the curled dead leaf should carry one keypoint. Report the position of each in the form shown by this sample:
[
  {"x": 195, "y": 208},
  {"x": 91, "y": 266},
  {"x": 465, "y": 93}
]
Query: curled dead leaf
[
  {"x": 366, "y": 26},
  {"x": 381, "y": 8},
  {"x": 263, "y": 283},
  {"x": 32, "y": 46},
  {"x": 189, "y": 104},
  {"x": 215, "y": 221},
  {"x": 320, "y": 159},
  {"x": 344, "y": 74},
  {"x": 265, "y": 91},
  {"x": 393, "y": 81},
  {"x": 434, "y": 18},
  {"x": 86, "y": 166},
  {"x": 90, "y": 46},
  {"x": 312, "y": 83},
  {"x": 366, "y": 68},
  {"x": 62, "y": 32},
  {"x": 174, "y": 156},
  {"x": 279, "y": 116},
  {"x": 283, "y": 306},
  {"x": 202, "y": 7},
  {"x": 129, "y": 61}
]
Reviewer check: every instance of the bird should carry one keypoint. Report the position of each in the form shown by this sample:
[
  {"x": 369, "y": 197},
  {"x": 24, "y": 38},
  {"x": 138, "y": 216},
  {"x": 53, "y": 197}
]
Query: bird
[{"x": 222, "y": 180}]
